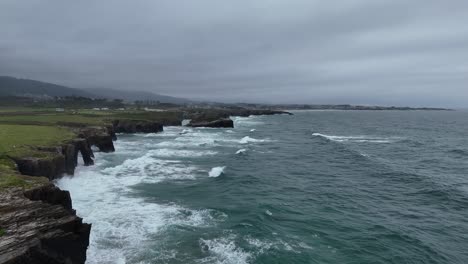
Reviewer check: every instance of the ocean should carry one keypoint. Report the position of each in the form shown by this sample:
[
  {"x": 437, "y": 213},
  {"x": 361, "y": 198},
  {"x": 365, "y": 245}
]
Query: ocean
[{"x": 315, "y": 187}]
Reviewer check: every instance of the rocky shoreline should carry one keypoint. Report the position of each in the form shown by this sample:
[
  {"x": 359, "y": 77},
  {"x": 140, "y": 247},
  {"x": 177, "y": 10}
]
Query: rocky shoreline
[{"x": 40, "y": 225}]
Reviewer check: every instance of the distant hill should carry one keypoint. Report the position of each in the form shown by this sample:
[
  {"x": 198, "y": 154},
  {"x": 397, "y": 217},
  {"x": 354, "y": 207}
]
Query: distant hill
[
  {"x": 26, "y": 87},
  {"x": 32, "y": 88},
  {"x": 131, "y": 96}
]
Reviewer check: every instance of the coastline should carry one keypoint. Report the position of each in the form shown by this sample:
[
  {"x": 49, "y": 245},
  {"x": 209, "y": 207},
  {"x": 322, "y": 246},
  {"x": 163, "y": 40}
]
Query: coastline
[{"x": 38, "y": 221}]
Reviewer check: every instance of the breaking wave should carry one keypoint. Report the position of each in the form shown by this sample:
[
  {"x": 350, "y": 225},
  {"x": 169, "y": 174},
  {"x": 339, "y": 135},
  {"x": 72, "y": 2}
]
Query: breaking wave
[
  {"x": 247, "y": 139},
  {"x": 356, "y": 139},
  {"x": 216, "y": 171},
  {"x": 241, "y": 151},
  {"x": 122, "y": 224}
]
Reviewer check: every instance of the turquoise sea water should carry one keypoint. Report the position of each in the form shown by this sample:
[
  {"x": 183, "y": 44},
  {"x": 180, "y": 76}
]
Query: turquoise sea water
[{"x": 316, "y": 187}]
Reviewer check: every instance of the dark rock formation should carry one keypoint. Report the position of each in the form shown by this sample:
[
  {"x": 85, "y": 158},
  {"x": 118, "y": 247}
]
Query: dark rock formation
[
  {"x": 50, "y": 194},
  {"x": 42, "y": 229},
  {"x": 209, "y": 115},
  {"x": 82, "y": 146},
  {"x": 111, "y": 131},
  {"x": 51, "y": 167},
  {"x": 101, "y": 137},
  {"x": 60, "y": 160},
  {"x": 71, "y": 157},
  {"x": 103, "y": 142},
  {"x": 225, "y": 122},
  {"x": 249, "y": 112},
  {"x": 136, "y": 126}
]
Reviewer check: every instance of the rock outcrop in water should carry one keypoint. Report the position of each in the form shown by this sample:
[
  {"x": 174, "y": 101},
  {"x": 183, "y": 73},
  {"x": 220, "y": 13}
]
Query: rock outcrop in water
[
  {"x": 136, "y": 126},
  {"x": 225, "y": 122},
  {"x": 220, "y": 117},
  {"x": 101, "y": 137},
  {"x": 40, "y": 226}
]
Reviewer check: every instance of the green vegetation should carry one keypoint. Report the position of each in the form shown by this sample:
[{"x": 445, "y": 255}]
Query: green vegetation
[
  {"x": 84, "y": 117},
  {"x": 9, "y": 177},
  {"x": 2, "y": 232},
  {"x": 21, "y": 140},
  {"x": 11, "y": 180},
  {"x": 51, "y": 119},
  {"x": 18, "y": 140}
]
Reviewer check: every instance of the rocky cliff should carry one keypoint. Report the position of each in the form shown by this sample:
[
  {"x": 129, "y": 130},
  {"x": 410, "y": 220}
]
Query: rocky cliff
[
  {"x": 60, "y": 160},
  {"x": 40, "y": 226},
  {"x": 39, "y": 223}
]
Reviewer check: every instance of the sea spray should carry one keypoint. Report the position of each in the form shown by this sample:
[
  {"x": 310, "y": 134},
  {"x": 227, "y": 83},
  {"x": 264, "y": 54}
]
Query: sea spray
[{"x": 216, "y": 171}]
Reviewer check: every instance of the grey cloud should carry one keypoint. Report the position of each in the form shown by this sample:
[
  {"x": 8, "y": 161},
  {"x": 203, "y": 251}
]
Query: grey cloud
[{"x": 357, "y": 51}]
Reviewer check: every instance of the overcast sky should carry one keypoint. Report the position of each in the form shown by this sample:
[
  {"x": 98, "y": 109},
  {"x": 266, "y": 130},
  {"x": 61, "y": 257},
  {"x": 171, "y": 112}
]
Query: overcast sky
[{"x": 394, "y": 52}]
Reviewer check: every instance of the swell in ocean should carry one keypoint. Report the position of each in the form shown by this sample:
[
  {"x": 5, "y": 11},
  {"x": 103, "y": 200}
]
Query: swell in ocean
[{"x": 316, "y": 187}]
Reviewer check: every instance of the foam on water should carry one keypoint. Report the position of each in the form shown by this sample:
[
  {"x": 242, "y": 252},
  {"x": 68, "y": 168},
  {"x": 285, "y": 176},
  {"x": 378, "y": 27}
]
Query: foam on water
[
  {"x": 198, "y": 138},
  {"x": 224, "y": 251},
  {"x": 356, "y": 139},
  {"x": 150, "y": 169},
  {"x": 123, "y": 224},
  {"x": 216, "y": 171},
  {"x": 167, "y": 152},
  {"x": 247, "y": 139},
  {"x": 246, "y": 121}
]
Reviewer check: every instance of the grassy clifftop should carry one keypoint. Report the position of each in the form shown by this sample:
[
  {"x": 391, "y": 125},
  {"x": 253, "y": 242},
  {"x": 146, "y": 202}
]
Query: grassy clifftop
[
  {"x": 85, "y": 117},
  {"x": 23, "y": 130},
  {"x": 23, "y": 140}
]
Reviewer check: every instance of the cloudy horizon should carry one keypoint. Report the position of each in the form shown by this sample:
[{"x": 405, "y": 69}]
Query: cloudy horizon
[{"x": 359, "y": 52}]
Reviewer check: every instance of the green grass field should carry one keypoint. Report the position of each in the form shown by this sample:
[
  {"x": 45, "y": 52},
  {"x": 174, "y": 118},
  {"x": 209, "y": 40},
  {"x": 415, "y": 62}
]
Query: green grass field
[
  {"x": 85, "y": 117},
  {"x": 18, "y": 140}
]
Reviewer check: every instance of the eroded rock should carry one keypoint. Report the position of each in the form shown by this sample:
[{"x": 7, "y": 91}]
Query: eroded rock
[
  {"x": 43, "y": 229},
  {"x": 225, "y": 122},
  {"x": 136, "y": 126}
]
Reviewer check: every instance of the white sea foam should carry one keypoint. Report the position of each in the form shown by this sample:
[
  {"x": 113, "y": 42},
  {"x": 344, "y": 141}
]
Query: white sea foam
[
  {"x": 168, "y": 152},
  {"x": 198, "y": 138},
  {"x": 224, "y": 251},
  {"x": 356, "y": 139},
  {"x": 246, "y": 121},
  {"x": 264, "y": 245},
  {"x": 185, "y": 131},
  {"x": 123, "y": 224},
  {"x": 247, "y": 139},
  {"x": 241, "y": 151},
  {"x": 252, "y": 130},
  {"x": 216, "y": 171},
  {"x": 149, "y": 169}
]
